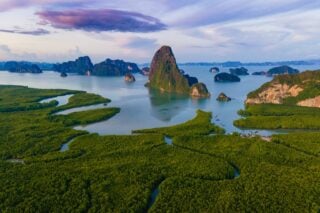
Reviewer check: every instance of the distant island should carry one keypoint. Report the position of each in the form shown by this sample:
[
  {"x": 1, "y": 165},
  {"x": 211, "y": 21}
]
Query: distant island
[
  {"x": 226, "y": 77},
  {"x": 84, "y": 66},
  {"x": 282, "y": 70},
  {"x": 243, "y": 64},
  {"x": 239, "y": 71},
  {"x": 21, "y": 67},
  {"x": 45, "y": 66},
  {"x": 166, "y": 76}
]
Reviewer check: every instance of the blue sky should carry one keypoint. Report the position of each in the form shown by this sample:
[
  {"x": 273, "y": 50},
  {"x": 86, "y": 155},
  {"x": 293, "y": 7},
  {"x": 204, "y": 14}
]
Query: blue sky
[{"x": 198, "y": 30}]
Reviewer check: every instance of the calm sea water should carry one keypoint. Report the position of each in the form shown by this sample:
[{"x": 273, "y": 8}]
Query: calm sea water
[{"x": 141, "y": 108}]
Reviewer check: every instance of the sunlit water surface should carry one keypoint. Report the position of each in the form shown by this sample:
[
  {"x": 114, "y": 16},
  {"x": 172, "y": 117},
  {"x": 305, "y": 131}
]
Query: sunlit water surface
[{"x": 141, "y": 108}]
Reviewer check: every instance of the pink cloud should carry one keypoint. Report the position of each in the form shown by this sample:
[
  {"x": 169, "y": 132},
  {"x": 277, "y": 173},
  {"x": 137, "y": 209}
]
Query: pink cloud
[{"x": 101, "y": 20}]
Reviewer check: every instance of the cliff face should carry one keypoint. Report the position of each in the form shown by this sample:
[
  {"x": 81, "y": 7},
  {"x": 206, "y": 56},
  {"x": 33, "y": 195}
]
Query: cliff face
[
  {"x": 275, "y": 94},
  {"x": 311, "y": 102},
  {"x": 300, "y": 89},
  {"x": 165, "y": 74}
]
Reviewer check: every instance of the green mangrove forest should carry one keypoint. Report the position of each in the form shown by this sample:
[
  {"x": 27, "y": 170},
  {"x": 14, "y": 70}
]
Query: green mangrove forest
[{"x": 203, "y": 170}]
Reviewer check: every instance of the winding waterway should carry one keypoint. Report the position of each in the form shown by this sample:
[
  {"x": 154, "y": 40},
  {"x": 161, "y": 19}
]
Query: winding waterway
[
  {"x": 141, "y": 108},
  {"x": 62, "y": 100},
  {"x": 168, "y": 140}
]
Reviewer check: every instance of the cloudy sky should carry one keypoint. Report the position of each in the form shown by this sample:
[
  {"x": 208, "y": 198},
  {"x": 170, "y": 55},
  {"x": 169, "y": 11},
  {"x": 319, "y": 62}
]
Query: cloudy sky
[{"x": 198, "y": 30}]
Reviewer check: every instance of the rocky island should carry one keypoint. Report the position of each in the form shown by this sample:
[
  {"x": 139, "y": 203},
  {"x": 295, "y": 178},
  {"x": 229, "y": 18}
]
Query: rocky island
[
  {"x": 64, "y": 75},
  {"x": 81, "y": 66},
  {"x": 84, "y": 66},
  {"x": 114, "y": 68},
  {"x": 259, "y": 73},
  {"x": 129, "y": 78},
  {"x": 239, "y": 71},
  {"x": 301, "y": 89},
  {"x": 214, "y": 70},
  {"x": 166, "y": 76},
  {"x": 22, "y": 67},
  {"x": 226, "y": 77},
  {"x": 282, "y": 70},
  {"x": 199, "y": 90},
  {"x": 223, "y": 98}
]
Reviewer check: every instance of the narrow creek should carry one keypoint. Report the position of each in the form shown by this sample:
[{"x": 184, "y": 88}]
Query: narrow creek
[
  {"x": 66, "y": 146},
  {"x": 81, "y": 109},
  {"x": 62, "y": 100},
  {"x": 154, "y": 194},
  {"x": 169, "y": 141}
]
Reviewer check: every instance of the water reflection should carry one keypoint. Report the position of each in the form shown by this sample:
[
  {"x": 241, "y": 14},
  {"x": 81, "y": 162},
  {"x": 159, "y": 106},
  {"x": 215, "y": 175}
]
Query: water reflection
[{"x": 165, "y": 106}]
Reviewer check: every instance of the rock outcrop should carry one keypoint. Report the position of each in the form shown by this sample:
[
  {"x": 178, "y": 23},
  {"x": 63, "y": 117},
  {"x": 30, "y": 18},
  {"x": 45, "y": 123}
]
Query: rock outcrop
[
  {"x": 214, "y": 70},
  {"x": 63, "y": 74},
  {"x": 22, "y": 67},
  {"x": 84, "y": 66},
  {"x": 226, "y": 77},
  {"x": 145, "y": 71},
  {"x": 199, "y": 90},
  {"x": 166, "y": 76},
  {"x": 114, "y": 68},
  {"x": 129, "y": 78},
  {"x": 81, "y": 66},
  {"x": 259, "y": 73},
  {"x": 300, "y": 89},
  {"x": 191, "y": 80},
  {"x": 275, "y": 94},
  {"x": 223, "y": 98},
  {"x": 310, "y": 102},
  {"x": 282, "y": 70},
  {"x": 239, "y": 71}
]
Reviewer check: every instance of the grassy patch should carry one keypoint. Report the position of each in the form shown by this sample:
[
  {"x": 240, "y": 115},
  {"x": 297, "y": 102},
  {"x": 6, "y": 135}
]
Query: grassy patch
[
  {"x": 200, "y": 125},
  {"x": 85, "y": 117}
]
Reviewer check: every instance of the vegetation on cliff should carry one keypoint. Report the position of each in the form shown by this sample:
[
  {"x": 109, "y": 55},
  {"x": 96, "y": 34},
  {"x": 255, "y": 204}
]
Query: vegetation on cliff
[
  {"x": 166, "y": 76},
  {"x": 289, "y": 89},
  {"x": 286, "y": 91}
]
